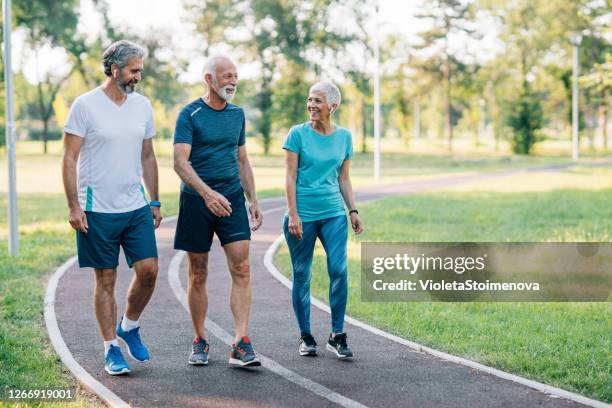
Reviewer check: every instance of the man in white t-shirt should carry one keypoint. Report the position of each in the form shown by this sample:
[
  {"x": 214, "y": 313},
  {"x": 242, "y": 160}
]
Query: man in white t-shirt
[{"x": 108, "y": 136}]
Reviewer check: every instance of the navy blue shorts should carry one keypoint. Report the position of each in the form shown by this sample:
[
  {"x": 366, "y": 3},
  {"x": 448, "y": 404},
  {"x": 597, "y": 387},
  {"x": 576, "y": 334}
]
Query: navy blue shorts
[
  {"x": 196, "y": 224},
  {"x": 133, "y": 230}
]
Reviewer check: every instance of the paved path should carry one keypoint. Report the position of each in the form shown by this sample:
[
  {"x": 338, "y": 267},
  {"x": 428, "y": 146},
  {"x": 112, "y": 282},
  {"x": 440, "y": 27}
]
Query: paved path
[{"x": 383, "y": 374}]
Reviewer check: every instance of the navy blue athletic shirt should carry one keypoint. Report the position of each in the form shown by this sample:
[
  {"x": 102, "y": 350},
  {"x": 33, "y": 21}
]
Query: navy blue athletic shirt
[{"x": 214, "y": 136}]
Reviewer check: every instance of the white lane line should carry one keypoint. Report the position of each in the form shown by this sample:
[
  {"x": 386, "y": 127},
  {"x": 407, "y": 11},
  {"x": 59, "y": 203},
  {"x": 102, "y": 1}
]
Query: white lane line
[
  {"x": 227, "y": 338},
  {"x": 60, "y": 346},
  {"x": 547, "y": 389},
  {"x": 271, "y": 210},
  {"x": 62, "y": 349}
]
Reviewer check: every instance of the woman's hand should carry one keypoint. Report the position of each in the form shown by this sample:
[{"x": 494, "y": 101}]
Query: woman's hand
[
  {"x": 295, "y": 226},
  {"x": 356, "y": 223}
]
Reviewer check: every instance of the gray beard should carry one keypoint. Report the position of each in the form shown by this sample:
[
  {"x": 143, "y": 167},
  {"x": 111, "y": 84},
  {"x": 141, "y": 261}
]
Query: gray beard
[{"x": 126, "y": 88}]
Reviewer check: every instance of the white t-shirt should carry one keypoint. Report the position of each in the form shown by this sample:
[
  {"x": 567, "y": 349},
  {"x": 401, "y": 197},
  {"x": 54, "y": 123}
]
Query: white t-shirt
[{"x": 110, "y": 169}]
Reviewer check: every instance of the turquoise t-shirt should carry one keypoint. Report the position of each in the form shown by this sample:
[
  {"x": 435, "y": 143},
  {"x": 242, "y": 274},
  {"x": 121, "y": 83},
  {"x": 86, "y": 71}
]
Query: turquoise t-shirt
[{"x": 320, "y": 159}]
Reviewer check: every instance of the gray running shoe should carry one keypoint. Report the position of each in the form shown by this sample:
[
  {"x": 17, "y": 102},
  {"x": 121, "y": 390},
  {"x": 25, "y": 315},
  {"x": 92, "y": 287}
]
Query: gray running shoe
[
  {"x": 243, "y": 355},
  {"x": 199, "y": 352}
]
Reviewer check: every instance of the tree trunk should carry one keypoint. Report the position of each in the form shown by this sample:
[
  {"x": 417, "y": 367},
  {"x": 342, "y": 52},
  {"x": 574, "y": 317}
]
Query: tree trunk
[
  {"x": 417, "y": 120},
  {"x": 495, "y": 136},
  {"x": 447, "y": 103},
  {"x": 45, "y": 134},
  {"x": 364, "y": 130},
  {"x": 603, "y": 115},
  {"x": 265, "y": 124}
]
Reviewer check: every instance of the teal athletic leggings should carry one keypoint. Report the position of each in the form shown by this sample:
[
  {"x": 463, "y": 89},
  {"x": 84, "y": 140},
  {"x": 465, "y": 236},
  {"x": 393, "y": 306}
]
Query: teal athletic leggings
[{"x": 332, "y": 232}]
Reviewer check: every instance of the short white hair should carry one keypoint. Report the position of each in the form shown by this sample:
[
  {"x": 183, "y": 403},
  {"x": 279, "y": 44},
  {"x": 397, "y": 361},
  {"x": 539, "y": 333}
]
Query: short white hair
[
  {"x": 212, "y": 62},
  {"x": 331, "y": 91}
]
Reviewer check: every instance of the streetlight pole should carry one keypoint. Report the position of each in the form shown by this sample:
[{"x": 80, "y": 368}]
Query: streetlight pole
[
  {"x": 575, "y": 39},
  {"x": 9, "y": 128},
  {"x": 376, "y": 98}
]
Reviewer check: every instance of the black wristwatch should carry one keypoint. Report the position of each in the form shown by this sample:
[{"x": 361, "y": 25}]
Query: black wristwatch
[{"x": 353, "y": 211}]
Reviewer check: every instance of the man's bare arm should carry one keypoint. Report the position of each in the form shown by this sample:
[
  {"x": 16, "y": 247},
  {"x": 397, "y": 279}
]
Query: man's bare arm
[
  {"x": 215, "y": 202},
  {"x": 248, "y": 183},
  {"x": 72, "y": 149},
  {"x": 151, "y": 177}
]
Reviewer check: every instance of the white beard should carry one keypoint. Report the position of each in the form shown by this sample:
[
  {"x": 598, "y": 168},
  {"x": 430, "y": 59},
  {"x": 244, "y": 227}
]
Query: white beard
[{"x": 222, "y": 92}]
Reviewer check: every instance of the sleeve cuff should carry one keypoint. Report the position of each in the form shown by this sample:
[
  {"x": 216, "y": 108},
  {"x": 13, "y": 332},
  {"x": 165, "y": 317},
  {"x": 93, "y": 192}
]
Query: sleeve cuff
[
  {"x": 292, "y": 149},
  {"x": 74, "y": 132}
]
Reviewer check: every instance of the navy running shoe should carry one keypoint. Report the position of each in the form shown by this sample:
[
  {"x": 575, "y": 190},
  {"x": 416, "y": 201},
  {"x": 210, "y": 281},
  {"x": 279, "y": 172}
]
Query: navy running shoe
[
  {"x": 337, "y": 345},
  {"x": 308, "y": 345}
]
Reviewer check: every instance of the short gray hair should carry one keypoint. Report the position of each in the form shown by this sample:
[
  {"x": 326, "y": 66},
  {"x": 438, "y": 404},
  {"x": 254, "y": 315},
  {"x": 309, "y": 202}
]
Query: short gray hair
[
  {"x": 120, "y": 53},
  {"x": 212, "y": 62},
  {"x": 331, "y": 91}
]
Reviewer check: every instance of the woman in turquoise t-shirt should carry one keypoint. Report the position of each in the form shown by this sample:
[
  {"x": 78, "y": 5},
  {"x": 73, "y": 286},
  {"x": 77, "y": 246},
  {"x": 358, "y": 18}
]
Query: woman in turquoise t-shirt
[{"x": 317, "y": 187}]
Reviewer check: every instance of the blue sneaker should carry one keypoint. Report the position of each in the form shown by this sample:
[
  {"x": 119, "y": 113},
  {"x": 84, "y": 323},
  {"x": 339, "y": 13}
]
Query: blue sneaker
[
  {"x": 115, "y": 363},
  {"x": 131, "y": 338},
  {"x": 243, "y": 355}
]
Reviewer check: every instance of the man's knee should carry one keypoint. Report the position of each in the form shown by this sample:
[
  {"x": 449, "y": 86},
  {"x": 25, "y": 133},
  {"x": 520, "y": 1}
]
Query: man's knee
[
  {"x": 148, "y": 274},
  {"x": 241, "y": 273},
  {"x": 198, "y": 272},
  {"x": 105, "y": 281}
]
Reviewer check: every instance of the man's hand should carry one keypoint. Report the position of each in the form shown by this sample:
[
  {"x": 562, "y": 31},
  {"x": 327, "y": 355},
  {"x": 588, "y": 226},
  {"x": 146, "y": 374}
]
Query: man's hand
[
  {"x": 256, "y": 216},
  {"x": 217, "y": 204},
  {"x": 78, "y": 219},
  {"x": 295, "y": 226},
  {"x": 356, "y": 223},
  {"x": 157, "y": 217}
]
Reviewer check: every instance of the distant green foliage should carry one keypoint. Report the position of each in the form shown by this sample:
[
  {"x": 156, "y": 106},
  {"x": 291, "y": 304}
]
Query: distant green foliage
[{"x": 525, "y": 118}]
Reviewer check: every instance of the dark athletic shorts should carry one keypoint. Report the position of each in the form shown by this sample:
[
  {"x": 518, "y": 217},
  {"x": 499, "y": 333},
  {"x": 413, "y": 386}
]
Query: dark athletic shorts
[
  {"x": 133, "y": 230},
  {"x": 196, "y": 224}
]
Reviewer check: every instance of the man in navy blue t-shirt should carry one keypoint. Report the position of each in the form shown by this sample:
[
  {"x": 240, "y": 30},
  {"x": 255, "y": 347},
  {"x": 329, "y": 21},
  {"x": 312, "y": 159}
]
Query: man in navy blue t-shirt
[{"x": 210, "y": 158}]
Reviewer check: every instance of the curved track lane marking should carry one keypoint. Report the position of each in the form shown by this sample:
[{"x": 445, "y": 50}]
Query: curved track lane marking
[
  {"x": 60, "y": 346},
  {"x": 217, "y": 331},
  {"x": 547, "y": 389}
]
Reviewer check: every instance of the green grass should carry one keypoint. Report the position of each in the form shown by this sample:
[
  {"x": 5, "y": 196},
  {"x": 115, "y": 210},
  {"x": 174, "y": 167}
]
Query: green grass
[
  {"x": 39, "y": 174},
  {"x": 567, "y": 345},
  {"x": 28, "y": 360},
  {"x": 26, "y": 356}
]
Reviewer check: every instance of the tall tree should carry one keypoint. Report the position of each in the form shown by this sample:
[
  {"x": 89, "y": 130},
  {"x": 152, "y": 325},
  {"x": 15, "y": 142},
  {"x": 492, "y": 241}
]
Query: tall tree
[
  {"x": 599, "y": 80},
  {"x": 47, "y": 23},
  {"x": 448, "y": 18},
  {"x": 290, "y": 31},
  {"x": 211, "y": 19}
]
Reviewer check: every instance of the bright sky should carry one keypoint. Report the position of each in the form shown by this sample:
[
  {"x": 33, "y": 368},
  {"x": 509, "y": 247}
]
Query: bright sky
[{"x": 168, "y": 16}]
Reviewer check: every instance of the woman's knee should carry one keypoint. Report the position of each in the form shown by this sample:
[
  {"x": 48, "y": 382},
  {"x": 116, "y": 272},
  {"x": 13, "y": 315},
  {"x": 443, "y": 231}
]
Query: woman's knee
[
  {"x": 301, "y": 273},
  {"x": 337, "y": 270}
]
